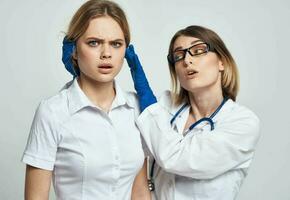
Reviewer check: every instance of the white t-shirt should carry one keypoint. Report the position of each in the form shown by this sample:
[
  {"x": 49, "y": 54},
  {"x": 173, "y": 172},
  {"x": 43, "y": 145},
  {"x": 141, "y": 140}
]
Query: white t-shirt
[
  {"x": 202, "y": 164},
  {"x": 93, "y": 154}
]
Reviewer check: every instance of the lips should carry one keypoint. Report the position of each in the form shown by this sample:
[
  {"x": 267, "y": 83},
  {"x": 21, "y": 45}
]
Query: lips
[
  {"x": 191, "y": 73},
  {"x": 105, "y": 68}
]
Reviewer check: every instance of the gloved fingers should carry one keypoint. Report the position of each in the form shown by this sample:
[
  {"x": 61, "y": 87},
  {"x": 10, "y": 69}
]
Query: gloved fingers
[
  {"x": 132, "y": 58},
  {"x": 67, "y": 51},
  {"x": 130, "y": 55},
  {"x": 130, "y": 52}
]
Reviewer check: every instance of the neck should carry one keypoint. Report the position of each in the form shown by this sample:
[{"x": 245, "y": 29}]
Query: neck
[
  {"x": 100, "y": 94},
  {"x": 204, "y": 103}
]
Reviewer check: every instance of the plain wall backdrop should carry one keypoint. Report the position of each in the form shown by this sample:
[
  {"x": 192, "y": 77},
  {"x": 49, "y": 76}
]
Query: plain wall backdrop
[{"x": 256, "y": 32}]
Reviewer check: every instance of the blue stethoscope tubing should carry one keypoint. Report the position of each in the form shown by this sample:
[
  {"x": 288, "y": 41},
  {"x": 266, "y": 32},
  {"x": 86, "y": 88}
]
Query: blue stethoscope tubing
[{"x": 207, "y": 119}]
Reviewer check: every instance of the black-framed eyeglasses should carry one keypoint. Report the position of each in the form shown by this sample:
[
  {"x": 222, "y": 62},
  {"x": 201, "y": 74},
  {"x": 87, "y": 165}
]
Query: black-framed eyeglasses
[{"x": 194, "y": 50}]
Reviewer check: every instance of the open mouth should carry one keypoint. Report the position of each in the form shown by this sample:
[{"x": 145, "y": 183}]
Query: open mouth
[
  {"x": 191, "y": 72},
  {"x": 105, "y": 66}
]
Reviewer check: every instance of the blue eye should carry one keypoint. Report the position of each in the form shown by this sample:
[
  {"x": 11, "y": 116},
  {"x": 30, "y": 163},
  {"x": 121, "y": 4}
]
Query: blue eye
[
  {"x": 93, "y": 43},
  {"x": 116, "y": 44}
]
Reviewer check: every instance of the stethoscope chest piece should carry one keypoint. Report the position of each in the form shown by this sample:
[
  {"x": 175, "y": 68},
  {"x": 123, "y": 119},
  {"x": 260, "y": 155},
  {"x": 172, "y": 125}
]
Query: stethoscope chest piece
[{"x": 151, "y": 185}]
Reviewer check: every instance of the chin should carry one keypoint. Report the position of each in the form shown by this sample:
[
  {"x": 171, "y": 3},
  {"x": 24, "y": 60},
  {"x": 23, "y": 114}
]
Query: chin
[
  {"x": 101, "y": 78},
  {"x": 105, "y": 79},
  {"x": 195, "y": 88}
]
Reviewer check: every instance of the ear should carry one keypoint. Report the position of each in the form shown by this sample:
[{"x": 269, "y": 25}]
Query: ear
[{"x": 221, "y": 66}]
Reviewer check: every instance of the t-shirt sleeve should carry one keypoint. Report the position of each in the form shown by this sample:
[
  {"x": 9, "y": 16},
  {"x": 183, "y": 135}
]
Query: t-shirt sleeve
[
  {"x": 42, "y": 142},
  {"x": 145, "y": 147}
]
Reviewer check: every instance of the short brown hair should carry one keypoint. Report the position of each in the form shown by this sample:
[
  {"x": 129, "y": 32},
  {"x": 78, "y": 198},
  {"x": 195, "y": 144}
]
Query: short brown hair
[
  {"x": 93, "y": 9},
  {"x": 230, "y": 75}
]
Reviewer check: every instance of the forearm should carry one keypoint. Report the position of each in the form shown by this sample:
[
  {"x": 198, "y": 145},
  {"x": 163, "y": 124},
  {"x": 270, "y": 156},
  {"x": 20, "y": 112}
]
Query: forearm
[
  {"x": 140, "y": 190},
  {"x": 37, "y": 183}
]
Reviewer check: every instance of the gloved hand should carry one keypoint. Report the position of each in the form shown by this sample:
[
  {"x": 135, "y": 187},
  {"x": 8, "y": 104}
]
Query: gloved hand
[
  {"x": 67, "y": 51},
  {"x": 144, "y": 92}
]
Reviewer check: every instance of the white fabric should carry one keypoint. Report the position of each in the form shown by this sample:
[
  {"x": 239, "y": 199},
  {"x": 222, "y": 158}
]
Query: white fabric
[
  {"x": 93, "y": 154},
  {"x": 203, "y": 164}
]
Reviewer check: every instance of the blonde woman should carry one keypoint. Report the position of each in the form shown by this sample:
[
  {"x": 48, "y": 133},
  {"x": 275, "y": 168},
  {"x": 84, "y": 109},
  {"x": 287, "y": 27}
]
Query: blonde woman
[
  {"x": 84, "y": 138},
  {"x": 203, "y": 141}
]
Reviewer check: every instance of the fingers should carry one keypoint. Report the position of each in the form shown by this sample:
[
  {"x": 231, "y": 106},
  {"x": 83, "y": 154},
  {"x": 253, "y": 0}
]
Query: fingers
[
  {"x": 132, "y": 58},
  {"x": 130, "y": 53},
  {"x": 67, "y": 51}
]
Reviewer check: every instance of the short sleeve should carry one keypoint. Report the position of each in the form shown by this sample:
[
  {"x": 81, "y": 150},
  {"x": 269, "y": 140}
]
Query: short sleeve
[
  {"x": 145, "y": 147},
  {"x": 42, "y": 142}
]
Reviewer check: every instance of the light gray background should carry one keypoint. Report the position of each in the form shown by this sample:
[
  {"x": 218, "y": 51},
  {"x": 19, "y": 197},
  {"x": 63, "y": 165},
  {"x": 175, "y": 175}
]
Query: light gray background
[{"x": 256, "y": 32}]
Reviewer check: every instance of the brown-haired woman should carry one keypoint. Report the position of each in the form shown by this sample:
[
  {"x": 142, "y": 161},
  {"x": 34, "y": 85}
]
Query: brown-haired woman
[
  {"x": 202, "y": 140},
  {"x": 85, "y": 137}
]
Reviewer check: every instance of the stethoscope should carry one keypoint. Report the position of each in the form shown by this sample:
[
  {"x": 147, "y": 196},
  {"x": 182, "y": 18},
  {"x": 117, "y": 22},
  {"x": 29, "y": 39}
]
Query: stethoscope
[{"x": 207, "y": 119}]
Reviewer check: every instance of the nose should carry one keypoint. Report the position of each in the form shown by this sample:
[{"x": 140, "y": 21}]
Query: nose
[
  {"x": 106, "y": 52},
  {"x": 188, "y": 59}
]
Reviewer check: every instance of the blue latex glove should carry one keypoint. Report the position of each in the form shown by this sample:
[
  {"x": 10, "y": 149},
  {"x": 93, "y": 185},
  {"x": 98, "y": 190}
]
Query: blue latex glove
[
  {"x": 67, "y": 51},
  {"x": 144, "y": 92}
]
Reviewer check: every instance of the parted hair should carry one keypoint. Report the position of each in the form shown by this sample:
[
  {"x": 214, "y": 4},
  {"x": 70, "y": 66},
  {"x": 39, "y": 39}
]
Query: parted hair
[{"x": 91, "y": 10}]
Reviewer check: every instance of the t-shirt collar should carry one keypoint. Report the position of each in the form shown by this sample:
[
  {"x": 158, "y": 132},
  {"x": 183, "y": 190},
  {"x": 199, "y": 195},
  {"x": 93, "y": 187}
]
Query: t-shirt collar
[{"x": 78, "y": 100}]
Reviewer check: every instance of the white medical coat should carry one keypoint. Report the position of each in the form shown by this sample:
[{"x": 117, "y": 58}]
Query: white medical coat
[{"x": 203, "y": 164}]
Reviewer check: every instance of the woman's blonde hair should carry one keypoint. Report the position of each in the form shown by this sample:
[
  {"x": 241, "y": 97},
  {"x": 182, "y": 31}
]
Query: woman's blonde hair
[
  {"x": 91, "y": 10},
  {"x": 230, "y": 75}
]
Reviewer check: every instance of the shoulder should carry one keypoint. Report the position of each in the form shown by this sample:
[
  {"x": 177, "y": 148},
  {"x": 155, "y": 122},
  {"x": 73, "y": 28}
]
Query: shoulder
[
  {"x": 130, "y": 96},
  {"x": 239, "y": 111},
  {"x": 55, "y": 103},
  {"x": 239, "y": 119},
  {"x": 131, "y": 99},
  {"x": 54, "y": 107}
]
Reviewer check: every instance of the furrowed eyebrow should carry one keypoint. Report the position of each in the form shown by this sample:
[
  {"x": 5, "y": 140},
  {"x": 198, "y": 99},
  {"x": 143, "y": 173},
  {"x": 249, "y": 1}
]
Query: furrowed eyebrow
[
  {"x": 102, "y": 40},
  {"x": 192, "y": 43},
  {"x": 95, "y": 38},
  {"x": 117, "y": 40}
]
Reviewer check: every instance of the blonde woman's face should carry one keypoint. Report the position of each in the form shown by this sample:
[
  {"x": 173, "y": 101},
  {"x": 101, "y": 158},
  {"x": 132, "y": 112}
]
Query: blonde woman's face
[
  {"x": 196, "y": 73},
  {"x": 101, "y": 49}
]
